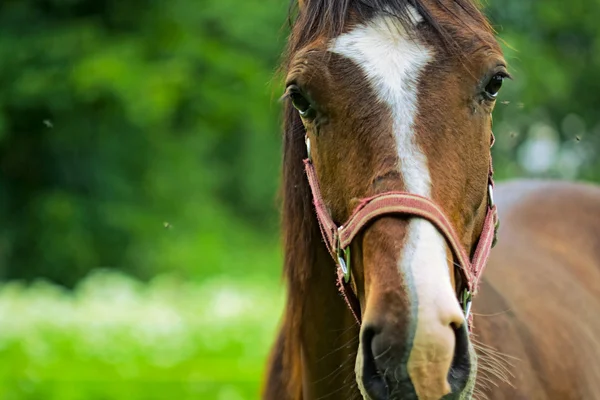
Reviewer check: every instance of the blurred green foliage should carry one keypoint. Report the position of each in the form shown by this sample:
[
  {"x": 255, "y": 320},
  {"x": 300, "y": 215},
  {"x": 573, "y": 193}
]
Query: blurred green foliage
[
  {"x": 114, "y": 338},
  {"x": 144, "y": 135},
  {"x": 137, "y": 135},
  {"x": 549, "y": 112}
]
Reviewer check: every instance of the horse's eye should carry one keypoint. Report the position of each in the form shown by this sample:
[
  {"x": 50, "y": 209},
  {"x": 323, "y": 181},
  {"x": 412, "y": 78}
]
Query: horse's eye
[
  {"x": 494, "y": 85},
  {"x": 300, "y": 102}
]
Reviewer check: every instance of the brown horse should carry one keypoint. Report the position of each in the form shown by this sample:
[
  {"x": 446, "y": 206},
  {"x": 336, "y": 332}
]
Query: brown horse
[{"x": 396, "y": 96}]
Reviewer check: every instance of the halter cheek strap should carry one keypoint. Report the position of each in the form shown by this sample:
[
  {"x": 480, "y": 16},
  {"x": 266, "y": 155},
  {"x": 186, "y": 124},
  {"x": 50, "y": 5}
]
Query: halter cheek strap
[{"x": 338, "y": 238}]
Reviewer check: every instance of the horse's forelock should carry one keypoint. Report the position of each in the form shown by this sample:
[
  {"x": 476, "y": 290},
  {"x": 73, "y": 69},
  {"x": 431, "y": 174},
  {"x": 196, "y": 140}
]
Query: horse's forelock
[{"x": 310, "y": 20}]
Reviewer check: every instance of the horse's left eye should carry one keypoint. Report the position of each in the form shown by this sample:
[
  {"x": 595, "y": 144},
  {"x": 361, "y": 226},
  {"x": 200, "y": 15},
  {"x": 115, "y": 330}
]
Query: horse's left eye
[{"x": 494, "y": 85}]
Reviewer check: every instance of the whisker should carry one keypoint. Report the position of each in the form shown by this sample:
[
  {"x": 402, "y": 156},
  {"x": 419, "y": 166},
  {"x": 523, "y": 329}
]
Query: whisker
[
  {"x": 494, "y": 367},
  {"x": 339, "y": 389},
  {"x": 332, "y": 393},
  {"x": 494, "y": 314},
  {"x": 344, "y": 330},
  {"x": 383, "y": 353},
  {"x": 336, "y": 371},
  {"x": 341, "y": 347}
]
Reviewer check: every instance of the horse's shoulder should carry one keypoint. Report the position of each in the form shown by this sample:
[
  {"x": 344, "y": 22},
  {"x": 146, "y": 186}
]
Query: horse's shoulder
[
  {"x": 550, "y": 210},
  {"x": 549, "y": 230},
  {"x": 524, "y": 193}
]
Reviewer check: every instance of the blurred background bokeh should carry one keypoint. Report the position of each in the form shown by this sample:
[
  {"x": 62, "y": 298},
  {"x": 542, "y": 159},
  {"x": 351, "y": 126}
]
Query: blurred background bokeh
[{"x": 139, "y": 166}]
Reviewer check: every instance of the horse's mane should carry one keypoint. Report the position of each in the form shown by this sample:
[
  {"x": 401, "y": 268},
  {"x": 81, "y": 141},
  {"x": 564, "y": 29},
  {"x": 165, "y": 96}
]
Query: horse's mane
[{"x": 326, "y": 19}]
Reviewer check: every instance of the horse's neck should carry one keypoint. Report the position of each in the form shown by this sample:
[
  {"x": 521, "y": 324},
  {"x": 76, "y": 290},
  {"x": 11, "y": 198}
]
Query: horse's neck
[{"x": 328, "y": 336}]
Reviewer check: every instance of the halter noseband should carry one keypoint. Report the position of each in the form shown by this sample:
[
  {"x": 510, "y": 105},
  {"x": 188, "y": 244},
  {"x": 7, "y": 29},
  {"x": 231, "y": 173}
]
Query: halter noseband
[{"x": 338, "y": 238}]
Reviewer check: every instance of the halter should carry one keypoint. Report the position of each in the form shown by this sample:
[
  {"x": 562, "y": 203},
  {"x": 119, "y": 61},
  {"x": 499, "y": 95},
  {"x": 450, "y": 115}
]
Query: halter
[{"x": 338, "y": 238}]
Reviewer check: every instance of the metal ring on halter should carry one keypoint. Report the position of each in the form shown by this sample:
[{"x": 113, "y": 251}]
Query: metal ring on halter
[
  {"x": 491, "y": 205},
  {"x": 343, "y": 266},
  {"x": 307, "y": 141},
  {"x": 343, "y": 256},
  {"x": 496, "y": 227},
  {"x": 467, "y": 300}
]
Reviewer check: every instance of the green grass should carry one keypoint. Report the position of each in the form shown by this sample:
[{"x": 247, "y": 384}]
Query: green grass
[{"x": 114, "y": 338}]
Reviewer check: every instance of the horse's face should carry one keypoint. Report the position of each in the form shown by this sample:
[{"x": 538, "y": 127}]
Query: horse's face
[{"x": 388, "y": 107}]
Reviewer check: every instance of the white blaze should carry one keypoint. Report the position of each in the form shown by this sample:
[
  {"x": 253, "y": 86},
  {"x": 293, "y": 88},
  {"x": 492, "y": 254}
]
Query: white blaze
[{"x": 393, "y": 62}]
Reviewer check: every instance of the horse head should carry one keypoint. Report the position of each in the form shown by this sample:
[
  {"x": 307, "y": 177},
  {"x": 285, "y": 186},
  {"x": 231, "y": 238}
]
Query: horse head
[{"x": 383, "y": 97}]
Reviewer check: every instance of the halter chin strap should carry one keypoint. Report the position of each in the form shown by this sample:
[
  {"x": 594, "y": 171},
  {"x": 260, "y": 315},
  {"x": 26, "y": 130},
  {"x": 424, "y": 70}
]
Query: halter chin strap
[{"x": 338, "y": 238}]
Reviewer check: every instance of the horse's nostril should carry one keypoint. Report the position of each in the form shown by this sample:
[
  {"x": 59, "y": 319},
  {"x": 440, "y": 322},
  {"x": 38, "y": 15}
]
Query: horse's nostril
[
  {"x": 373, "y": 381},
  {"x": 461, "y": 362}
]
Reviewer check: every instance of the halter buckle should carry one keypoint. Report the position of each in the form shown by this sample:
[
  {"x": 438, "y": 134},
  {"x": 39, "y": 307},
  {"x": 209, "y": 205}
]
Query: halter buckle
[
  {"x": 345, "y": 269},
  {"x": 466, "y": 301},
  {"x": 496, "y": 227},
  {"x": 343, "y": 256},
  {"x": 492, "y": 204},
  {"x": 307, "y": 141}
]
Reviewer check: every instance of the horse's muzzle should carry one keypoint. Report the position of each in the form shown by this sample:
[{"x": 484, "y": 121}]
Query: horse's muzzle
[{"x": 384, "y": 376}]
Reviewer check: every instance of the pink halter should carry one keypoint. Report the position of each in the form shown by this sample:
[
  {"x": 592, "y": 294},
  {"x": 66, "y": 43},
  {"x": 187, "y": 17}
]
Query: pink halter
[{"x": 338, "y": 238}]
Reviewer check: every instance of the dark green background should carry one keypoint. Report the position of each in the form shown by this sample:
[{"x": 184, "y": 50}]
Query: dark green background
[{"x": 143, "y": 136}]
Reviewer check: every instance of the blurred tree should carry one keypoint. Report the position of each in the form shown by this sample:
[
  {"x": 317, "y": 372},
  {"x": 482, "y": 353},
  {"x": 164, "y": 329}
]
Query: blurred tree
[
  {"x": 553, "y": 51},
  {"x": 118, "y": 116}
]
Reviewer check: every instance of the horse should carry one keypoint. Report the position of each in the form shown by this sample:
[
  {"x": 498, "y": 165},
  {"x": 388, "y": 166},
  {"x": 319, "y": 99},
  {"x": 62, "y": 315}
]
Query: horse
[{"x": 390, "y": 212}]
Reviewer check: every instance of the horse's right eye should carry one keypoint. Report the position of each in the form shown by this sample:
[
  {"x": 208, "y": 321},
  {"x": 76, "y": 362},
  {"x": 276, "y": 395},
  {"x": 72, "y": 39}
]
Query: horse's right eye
[
  {"x": 300, "y": 102},
  {"x": 493, "y": 86}
]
